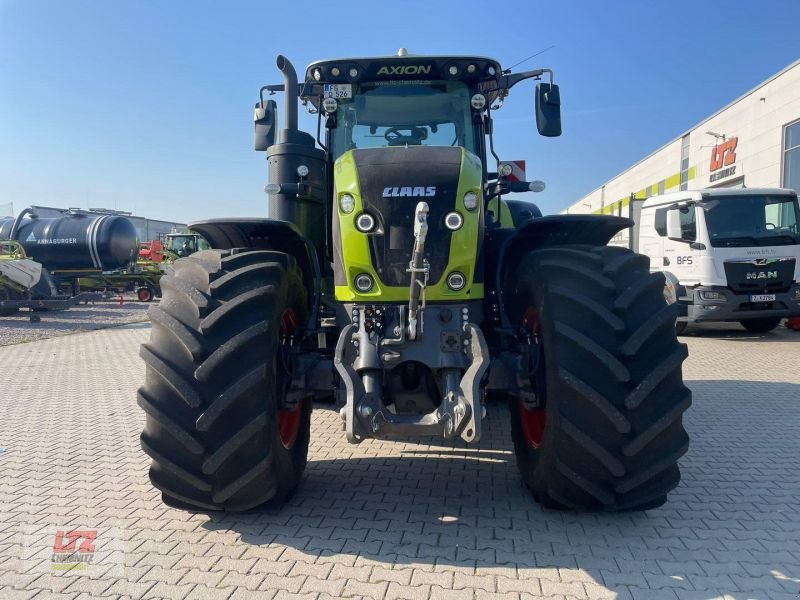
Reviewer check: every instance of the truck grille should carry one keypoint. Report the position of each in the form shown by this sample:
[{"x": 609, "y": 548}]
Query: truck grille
[{"x": 761, "y": 274}]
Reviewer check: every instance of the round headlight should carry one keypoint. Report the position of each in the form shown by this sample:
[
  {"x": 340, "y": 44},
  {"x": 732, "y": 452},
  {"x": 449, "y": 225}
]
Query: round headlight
[
  {"x": 353, "y": 72},
  {"x": 537, "y": 186},
  {"x": 453, "y": 221},
  {"x": 317, "y": 74},
  {"x": 335, "y": 71},
  {"x": 347, "y": 203},
  {"x": 505, "y": 169},
  {"x": 453, "y": 70},
  {"x": 329, "y": 105},
  {"x": 363, "y": 282},
  {"x": 302, "y": 170},
  {"x": 491, "y": 70},
  {"x": 365, "y": 222},
  {"x": 471, "y": 68},
  {"x": 456, "y": 281},
  {"x": 470, "y": 200},
  {"x": 478, "y": 101}
]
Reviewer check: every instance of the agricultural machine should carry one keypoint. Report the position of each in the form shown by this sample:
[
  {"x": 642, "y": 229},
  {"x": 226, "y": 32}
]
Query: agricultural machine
[
  {"x": 25, "y": 283},
  {"x": 393, "y": 270},
  {"x": 85, "y": 251}
]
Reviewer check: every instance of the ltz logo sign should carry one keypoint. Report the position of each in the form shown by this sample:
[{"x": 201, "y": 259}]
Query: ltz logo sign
[
  {"x": 723, "y": 157},
  {"x": 69, "y": 554}
]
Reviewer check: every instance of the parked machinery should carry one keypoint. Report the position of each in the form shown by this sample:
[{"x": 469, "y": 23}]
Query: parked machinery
[{"x": 383, "y": 274}]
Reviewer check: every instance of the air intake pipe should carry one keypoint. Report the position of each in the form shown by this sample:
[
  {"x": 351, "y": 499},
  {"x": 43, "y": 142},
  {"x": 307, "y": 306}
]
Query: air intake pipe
[{"x": 305, "y": 205}]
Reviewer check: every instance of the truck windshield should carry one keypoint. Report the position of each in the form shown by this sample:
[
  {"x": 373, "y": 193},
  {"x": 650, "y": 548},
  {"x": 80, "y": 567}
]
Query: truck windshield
[
  {"x": 757, "y": 220},
  {"x": 430, "y": 114}
]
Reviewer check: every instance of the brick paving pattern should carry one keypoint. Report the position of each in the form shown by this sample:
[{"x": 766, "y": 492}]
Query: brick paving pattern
[{"x": 392, "y": 520}]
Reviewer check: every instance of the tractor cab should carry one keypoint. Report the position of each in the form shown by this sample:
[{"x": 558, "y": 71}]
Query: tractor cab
[{"x": 183, "y": 244}]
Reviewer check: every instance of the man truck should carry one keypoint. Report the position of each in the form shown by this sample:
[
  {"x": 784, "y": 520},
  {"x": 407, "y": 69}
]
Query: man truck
[{"x": 728, "y": 254}]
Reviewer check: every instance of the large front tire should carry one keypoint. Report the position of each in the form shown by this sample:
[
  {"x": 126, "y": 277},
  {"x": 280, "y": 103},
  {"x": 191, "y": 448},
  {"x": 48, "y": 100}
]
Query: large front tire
[
  {"x": 605, "y": 365},
  {"x": 218, "y": 430}
]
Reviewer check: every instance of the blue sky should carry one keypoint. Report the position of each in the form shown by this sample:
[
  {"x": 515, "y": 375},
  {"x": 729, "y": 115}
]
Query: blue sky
[{"x": 147, "y": 106}]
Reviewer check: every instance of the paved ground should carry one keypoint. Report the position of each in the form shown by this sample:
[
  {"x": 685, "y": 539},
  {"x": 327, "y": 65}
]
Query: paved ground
[
  {"x": 18, "y": 329},
  {"x": 396, "y": 520}
]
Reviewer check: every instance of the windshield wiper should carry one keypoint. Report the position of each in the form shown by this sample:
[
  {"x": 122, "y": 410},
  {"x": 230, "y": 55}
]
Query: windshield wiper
[
  {"x": 737, "y": 241},
  {"x": 773, "y": 240}
]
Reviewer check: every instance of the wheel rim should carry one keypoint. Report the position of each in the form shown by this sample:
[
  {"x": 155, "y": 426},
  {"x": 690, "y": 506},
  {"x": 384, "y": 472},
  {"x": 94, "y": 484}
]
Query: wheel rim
[
  {"x": 144, "y": 295},
  {"x": 533, "y": 420},
  {"x": 289, "y": 420}
]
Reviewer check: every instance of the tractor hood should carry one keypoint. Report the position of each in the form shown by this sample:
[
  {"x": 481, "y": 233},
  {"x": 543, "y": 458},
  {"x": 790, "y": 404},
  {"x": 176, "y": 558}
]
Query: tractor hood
[{"x": 389, "y": 183}]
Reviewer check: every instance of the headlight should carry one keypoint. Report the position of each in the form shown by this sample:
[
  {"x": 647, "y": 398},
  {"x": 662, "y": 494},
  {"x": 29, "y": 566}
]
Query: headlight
[
  {"x": 335, "y": 71},
  {"x": 478, "y": 101},
  {"x": 365, "y": 222},
  {"x": 363, "y": 282},
  {"x": 453, "y": 70},
  {"x": 456, "y": 281},
  {"x": 453, "y": 221},
  {"x": 505, "y": 169},
  {"x": 712, "y": 296},
  {"x": 470, "y": 200},
  {"x": 329, "y": 105},
  {"x": 347, "y": 203},
  {"x": 302, "y": 170}
]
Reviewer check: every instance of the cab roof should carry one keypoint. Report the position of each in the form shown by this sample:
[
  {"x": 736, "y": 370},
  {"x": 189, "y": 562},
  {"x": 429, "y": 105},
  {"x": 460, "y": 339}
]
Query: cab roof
[
  {"x": 698, "y": 195},
  {"x": 402, "y": 67}
]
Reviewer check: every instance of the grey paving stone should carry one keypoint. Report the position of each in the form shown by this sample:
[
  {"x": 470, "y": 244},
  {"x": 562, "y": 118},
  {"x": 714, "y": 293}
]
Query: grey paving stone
[{"x": 405, "y": 519}]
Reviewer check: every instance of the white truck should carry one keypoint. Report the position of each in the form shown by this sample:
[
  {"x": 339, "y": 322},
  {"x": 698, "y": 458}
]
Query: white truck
[{"x": 728, "y": 254}]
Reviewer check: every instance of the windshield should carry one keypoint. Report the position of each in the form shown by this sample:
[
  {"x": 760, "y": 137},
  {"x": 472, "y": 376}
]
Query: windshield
[
  {"x": 184, "y": 245},
  {"x": 755, "y": 220},
  {"x": 430, "y": 114}
]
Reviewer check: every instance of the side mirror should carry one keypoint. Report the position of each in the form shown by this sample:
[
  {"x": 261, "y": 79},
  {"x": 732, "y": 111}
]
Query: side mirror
[
  {"x": 265, "y": 119},
  {"x": 548, "y": 110},
  {"x": 674, "y": 224}
]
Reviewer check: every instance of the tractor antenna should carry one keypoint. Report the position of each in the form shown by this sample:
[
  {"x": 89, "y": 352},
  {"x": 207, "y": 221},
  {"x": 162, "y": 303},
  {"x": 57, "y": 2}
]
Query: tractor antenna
[{"x": 508, "y": 70}]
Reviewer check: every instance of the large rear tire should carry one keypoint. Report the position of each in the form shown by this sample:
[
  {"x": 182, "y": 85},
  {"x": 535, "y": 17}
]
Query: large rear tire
[
  {"x": 605, "y": 365},
  {"x": 218, "y": 428}
]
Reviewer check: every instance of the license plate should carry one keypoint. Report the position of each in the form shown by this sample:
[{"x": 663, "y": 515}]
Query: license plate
[
  {"x": 762, "y": 298},
  {"x": 337, "y": 90}
]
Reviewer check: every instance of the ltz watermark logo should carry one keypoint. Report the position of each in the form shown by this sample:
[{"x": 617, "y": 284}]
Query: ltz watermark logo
[{"x": 75, "y": 551}]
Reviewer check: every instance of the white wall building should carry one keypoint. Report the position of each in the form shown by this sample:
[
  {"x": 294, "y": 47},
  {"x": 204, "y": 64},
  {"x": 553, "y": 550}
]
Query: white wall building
[{"x": 753, "y": 142}]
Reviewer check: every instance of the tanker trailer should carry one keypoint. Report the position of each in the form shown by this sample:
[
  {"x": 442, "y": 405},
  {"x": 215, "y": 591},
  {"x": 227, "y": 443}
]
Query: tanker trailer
[{"x": 75, "y": 241}]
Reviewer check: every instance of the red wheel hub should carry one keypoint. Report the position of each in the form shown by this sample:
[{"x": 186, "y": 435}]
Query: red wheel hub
[
  {"x": 289, "y": 420},
  {"x": 533, "y": 419}
]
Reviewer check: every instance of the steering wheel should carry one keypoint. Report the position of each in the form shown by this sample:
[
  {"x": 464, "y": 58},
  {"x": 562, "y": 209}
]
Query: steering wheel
[{"x": 395, "y": 137}]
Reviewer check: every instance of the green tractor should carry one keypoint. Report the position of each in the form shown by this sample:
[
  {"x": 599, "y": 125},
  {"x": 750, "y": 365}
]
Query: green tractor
[
  {"x": 181, "y": 245},
  {"x": 393, "y": 271}
]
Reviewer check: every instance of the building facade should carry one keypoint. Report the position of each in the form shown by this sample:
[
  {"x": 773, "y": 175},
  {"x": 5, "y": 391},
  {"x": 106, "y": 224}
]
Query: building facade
[{"x": 752, "y": 142}]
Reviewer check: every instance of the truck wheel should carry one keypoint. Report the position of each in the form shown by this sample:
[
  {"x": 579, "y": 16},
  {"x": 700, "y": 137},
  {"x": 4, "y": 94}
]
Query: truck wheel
[
  {"x": 145, "y": 294},
  {"x": 761, "y": 325},
  {"x": 218, "y": 367},
  {"x": 605, "y": 432}
]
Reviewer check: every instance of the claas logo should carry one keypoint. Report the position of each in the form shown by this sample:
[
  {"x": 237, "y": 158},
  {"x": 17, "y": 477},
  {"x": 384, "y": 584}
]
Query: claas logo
[{"x": 723, "y": 155}]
